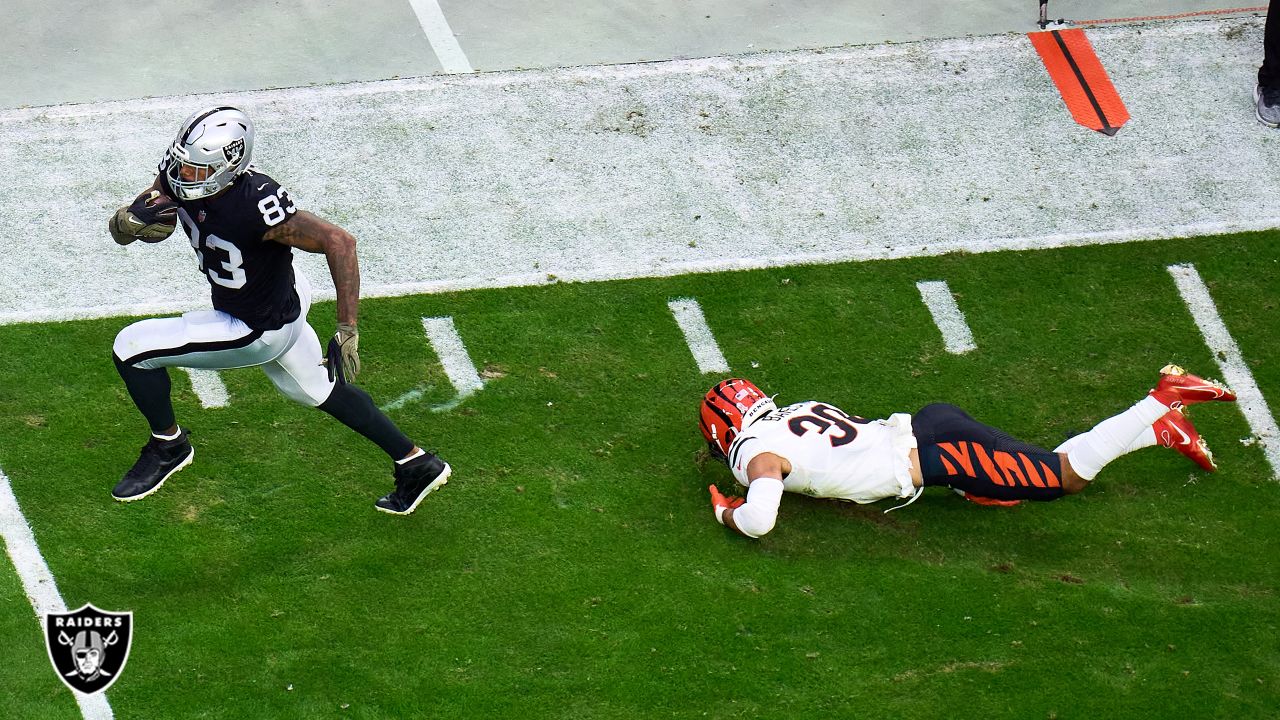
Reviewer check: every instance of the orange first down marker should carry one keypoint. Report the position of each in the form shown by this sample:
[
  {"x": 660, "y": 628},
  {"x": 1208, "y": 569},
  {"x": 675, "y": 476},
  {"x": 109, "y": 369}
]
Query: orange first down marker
[{"x": 1080, "y": 77}]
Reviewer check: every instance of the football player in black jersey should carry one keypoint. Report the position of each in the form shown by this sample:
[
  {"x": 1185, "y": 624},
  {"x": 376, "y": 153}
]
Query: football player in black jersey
[{"x": 243, "y": 227}]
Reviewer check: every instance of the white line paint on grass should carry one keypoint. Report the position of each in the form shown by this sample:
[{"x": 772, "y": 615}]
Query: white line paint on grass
[
  {"x": 453, "y": 355},
  {"x": 947, "y": 316},
  {"x": 208, "y": 387},
  {"x": 706, "y": 352},
  {"x": 412, "y": 396},
  {"x": 519, "y": 176},
  {"x": 1234, "y": 370},
  {"x": 38, "y": 582},
  {"x": 440, "y": 35}
]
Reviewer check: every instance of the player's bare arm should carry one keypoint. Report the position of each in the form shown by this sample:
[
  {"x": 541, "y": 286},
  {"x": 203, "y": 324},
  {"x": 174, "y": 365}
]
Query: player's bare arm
[
  {"x": 765, "y": 466},
  {"x": 317, "y": 235}
]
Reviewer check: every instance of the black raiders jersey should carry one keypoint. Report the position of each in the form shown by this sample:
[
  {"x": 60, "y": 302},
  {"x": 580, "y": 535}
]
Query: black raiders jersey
[{"x": 251, "y": 278}]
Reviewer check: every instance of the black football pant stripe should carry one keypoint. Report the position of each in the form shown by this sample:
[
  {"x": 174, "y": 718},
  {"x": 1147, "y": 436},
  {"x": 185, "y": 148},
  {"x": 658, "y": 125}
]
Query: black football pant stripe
[
  {"x": 194, "y": 347},
  {"x": 149, "y": 389}
]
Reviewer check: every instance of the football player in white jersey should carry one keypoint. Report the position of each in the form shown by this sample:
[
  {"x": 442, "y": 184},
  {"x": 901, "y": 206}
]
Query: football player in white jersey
[
  {"x": 244, "y": 227},
  {"x": 817, "y": 449}
]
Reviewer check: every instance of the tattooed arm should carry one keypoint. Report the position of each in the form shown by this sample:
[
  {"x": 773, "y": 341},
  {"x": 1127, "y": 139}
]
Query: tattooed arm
[{"x": 316, "y": 235}]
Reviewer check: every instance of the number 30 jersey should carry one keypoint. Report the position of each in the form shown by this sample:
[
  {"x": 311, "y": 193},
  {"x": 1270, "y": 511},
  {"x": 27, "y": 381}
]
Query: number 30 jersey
[
  {"x": 251, "y": 278},
  {"x": 832, "y": 454}
]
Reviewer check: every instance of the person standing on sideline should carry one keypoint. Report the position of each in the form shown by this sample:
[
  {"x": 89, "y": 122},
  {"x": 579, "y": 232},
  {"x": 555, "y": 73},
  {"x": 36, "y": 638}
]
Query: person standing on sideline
[{"x": 1266, "y": 94}]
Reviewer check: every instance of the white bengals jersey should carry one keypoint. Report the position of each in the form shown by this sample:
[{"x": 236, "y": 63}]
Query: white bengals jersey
[{"x": 832, "y": 454}]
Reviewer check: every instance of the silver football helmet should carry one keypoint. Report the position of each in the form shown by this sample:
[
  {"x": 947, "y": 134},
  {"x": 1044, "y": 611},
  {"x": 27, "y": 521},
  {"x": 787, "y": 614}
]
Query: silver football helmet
[{"x": 212, "y": 148}]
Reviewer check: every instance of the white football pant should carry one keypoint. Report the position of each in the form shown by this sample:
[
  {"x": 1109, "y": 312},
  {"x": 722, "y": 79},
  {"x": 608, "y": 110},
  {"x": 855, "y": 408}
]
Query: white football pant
[{"x": 290, "y": 356}]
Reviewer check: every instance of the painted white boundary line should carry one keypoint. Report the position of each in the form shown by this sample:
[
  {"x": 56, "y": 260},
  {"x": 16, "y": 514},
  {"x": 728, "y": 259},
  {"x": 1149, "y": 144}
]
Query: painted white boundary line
[
  {"x": 441, "y": 36},
  {"x": 947, "y": 316},
  {"x": 38, "y": 582},
  {"x": 208, "y": 387},
  {"x": 697, "y": 334},
  {"x": 1234, "y": 370},
  {"x": 373, "y": 289},
  {"x": 545, "y": 159},
  {"x": 445, "y": 340}
]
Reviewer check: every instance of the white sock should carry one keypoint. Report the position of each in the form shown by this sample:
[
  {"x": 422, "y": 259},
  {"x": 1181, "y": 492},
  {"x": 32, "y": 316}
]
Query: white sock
[
  {"x": 1090, "y": 452},
  {"x": 419, "y": 453},
  {"x": 1145, "y": 440},
  {"x": 174, "y": 436}
]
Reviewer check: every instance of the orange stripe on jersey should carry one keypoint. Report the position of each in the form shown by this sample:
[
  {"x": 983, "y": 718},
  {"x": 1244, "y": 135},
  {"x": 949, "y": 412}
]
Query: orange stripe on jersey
[
  {"x": 964, "y": 459},
  {"x": 960, "y": 455},
  {"x": 988, "y": 466},
  {"x": 1049, "y": 476},
  {"x": 1031, "y": 470},
  {"x": 951, "y": 469},
  {"x": 1008, "y": 465}
]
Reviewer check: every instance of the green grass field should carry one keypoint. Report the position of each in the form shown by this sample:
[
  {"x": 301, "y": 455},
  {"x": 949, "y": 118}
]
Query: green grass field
[{"x": 572, "y": 568}]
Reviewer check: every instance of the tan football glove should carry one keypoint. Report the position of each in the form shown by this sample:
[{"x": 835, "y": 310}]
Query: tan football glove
[
  {"x": 151, "y": 218},
  {"x": 343, "y": 357}
]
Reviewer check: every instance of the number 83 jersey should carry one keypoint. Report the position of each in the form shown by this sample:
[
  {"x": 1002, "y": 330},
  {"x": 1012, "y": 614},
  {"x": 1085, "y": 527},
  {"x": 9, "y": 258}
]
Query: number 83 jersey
[
  {"x": 250, "y": 278},
  {"x": 832, "y": 454}
]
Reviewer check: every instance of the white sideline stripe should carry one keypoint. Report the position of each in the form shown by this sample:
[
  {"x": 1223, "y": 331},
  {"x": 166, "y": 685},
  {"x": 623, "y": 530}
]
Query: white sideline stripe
[
  {"x": 669, "y": 269},
  {"x": 453, "y": 355},
  {"x": 208, "y": 387},
  {"x": 440, "y": 35},
  {"x": 38, "y": 582},
  {"x": 698, "y": 336},
  {"x": 548, "y": 158},
  {"x": 947, "y": 316},
  {"x": 1234, "y": 370}
]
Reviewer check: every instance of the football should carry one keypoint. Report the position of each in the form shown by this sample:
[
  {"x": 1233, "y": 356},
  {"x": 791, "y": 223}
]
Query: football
[{"x": 152, "y": 217}]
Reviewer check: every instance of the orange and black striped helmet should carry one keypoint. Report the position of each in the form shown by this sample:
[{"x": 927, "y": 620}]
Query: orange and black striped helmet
[{"x": 727, "y": 408}]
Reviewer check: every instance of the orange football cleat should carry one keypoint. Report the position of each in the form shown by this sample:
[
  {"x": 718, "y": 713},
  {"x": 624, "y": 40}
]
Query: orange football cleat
[
  {"x": 1178, "y": 388},
  {"x": 1175, "y": 430}
]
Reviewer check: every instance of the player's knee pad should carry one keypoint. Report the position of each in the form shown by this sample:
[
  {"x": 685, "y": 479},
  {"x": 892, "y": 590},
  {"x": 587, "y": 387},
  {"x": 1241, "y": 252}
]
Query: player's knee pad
[
  {"x": 125, "y": 342},
  {"x": 308, "y": 394}
]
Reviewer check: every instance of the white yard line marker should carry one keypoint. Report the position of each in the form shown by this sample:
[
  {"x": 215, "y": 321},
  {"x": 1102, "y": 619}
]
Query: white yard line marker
[
  {"x": 411, "y": 396},
  {"x": 453, "y": 355},
  {"x": 440, "y": 35},
  {"x": 701, "y": 342},
  {"x": 1234, "y": 371},
  {"x": 38, "y": 582},
  {"x": 208, "y": 387},
  {"x": 947, "y": 316}
]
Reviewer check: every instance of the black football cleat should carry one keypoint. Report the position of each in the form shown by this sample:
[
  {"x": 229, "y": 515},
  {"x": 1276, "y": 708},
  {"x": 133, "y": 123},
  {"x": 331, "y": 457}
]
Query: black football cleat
[
  {"x": 415, "y": 480},
  {"x": 159, "y": 460}
]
